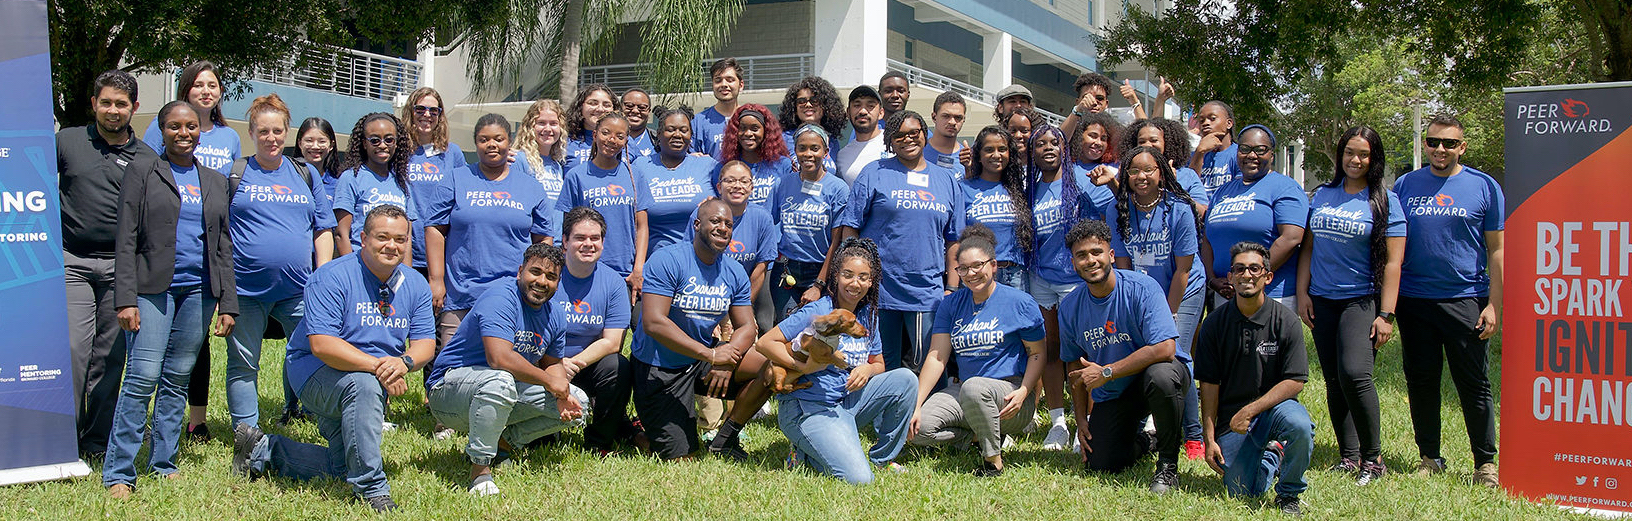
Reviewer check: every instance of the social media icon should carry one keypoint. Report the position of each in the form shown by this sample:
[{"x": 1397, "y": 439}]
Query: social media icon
[{"x": 1580, "y": 480}]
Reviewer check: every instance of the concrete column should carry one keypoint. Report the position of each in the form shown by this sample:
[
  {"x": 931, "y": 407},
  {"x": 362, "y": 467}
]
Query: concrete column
[
  {"x": 427, "y": 61},
  {"x": 998, "y": 49},
  {"x": 849, "y": 38}
]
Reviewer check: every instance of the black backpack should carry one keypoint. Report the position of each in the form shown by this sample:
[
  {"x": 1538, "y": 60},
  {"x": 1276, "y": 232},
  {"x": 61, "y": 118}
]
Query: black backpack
[{"x": 236, "y": 176}]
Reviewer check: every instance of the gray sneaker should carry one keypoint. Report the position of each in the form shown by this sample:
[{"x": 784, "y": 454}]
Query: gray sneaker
[
  {"x": 244, "y": 439},
  {"x": 1289, "y": 505},
  {"x": 1165, "y": 479},
  {"x": 381, "y": 504}
]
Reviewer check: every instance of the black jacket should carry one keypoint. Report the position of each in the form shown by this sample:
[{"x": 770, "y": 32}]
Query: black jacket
[{"x": 145, "y": 250}]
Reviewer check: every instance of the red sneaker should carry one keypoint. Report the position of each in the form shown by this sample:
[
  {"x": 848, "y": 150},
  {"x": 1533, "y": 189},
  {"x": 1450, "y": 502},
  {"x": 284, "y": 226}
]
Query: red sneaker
[{"x": 1193, "y": 449}]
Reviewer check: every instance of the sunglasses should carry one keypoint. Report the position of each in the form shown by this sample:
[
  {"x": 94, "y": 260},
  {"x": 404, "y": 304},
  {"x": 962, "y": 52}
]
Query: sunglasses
[
  {"x": 906, "y": 134},
  {"x": 1260, "y": 150},
  {"x": 1253, "y": 270},
  {"x": 377, "y": 140},
  {"x": 804, "y": 101},
  {"x": 636, "y": 107},
  {"x": 1437, "y": 142},
  {"x": 422, "y": 110},
  {"x": 385, "y": 299}
]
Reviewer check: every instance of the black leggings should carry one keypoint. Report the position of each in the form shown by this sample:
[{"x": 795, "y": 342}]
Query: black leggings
[
  {"x": 1343, "y": 342},
  {"x": 1433, "y": 334}
]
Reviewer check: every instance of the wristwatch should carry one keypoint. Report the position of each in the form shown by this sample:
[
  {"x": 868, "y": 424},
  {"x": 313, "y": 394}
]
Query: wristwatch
[
  {"x": 1076, "y": 110},
  {"x": 1105, "y": 372},
  {"x": 1385, "y": 315},
  {"x": 408, "y": 361}
]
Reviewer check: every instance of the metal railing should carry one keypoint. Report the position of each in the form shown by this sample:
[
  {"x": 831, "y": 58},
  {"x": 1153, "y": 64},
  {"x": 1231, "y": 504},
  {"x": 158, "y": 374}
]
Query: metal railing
[
  {"x": 925, "y": 78},
  {"x": 344, "y": 71},
  {"x": 776, "y": 71}
]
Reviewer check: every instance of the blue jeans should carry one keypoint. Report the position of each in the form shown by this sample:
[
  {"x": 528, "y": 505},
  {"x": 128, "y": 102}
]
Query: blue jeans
[
  {"x": 1189, "y": 315},
  {"x": 1015, "y": 277},
  {"x": 158, "y": 358},
  {"x": 244, "y": 355},
  {"x": 905, "y": 337},
  {"x": 349, "y": 409},
  {"x": 827, "y": 433},
  {"x": 1249, "y": 467}
]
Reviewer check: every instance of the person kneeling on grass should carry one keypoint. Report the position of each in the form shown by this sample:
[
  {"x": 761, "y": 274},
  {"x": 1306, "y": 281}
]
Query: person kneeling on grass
[
  {"x": 502, "y": 377},
  {"x": 346, "y": 357},
  {"x": 1253, "y": 379}
]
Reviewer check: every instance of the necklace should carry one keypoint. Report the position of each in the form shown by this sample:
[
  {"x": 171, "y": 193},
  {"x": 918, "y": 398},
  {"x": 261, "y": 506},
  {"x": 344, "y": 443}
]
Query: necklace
[{"x": 1147, "y": 207}]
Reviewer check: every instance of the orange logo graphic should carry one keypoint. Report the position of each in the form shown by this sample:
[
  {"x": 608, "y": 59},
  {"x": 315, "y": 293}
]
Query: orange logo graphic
[
  {"x": 1574, "y": 108},
  {"x": 580, "y": 307},
  {"x": 1110, "y": 327},
  {"x": 1444, "y": 200},
  {"x": 281, "y": 190},
  {"x": 615, "y": 189}
]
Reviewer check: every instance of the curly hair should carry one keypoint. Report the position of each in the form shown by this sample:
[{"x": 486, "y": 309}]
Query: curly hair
[
  {"x": 867, "y": 250},
  {"x": 977, "y": 236},
  {"x": 439, "y": 133},
  {"x": 893, "y": 125},
  {"x": 827, "y": 98},
  {"x": 527, "y": 142},
  {"x": 1175, "y": 139},
  {"x": 357, "y": 157},
  {"x": 1013, "y": 178},
  {"x": 1112, "y": 128},
  {"x": 771, "y": 147},
  {"x": 1069, "y": 191},
  {"x": 575, "y": 111},
  {"x": 1169, "y": 187},
  {"x": 1094, "y": 78}
]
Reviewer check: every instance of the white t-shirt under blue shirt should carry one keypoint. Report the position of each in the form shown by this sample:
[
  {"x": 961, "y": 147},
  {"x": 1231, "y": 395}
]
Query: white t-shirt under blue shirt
[
  {"x": 611, "y": 192},
  {"x": 189, "y": 228},
  {"x": 274, "y": 217},
  {"x": 592, "y": 305},
  {"x": 490, "y": 224},
  {"x": 501, "y": 314},
  {"x": 1105, "y": 330},
  {"x": 827, "y": 385},
  {"x": 343, "y": 301},
  {"x": 702, "y": 294},
  {"x": 1340, "y": 225},
  {"x": 216, "y": 149},
  {"x": 911, "y": 215},
  {"x": 361, "y": 190},
  {"x": 672, "y": 195},
  {"x": 1445, "y": 255},
  {"x": 988, "y": 338},
  {"x": 1254, "y": 211},
  {"x": 806, "y": 211}
]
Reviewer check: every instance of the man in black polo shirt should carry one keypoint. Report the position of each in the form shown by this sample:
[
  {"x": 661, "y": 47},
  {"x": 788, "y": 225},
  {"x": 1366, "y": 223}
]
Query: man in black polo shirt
[
  {"x": 1251, "y": 363},
  {"x": 90, "y": 164}
]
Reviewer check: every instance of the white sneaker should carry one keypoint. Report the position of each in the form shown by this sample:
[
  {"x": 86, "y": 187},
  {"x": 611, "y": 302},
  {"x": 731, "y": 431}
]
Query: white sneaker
[
  {"x": 764, "y": 410},
  {"x": 388, "y": 427},
  {"x": 485, "y": 488},
  {"x": 443, "y": 434},
  {"x": 1059, "y": 436},
  {"x": 1008, "y": 441},
  {"x": 1076, "y": 445}
]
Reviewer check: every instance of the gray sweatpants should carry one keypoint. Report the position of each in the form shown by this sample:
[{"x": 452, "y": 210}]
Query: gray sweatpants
[
  {"x": 954, "y": 415},
  {"x": 490, "y": 405}
]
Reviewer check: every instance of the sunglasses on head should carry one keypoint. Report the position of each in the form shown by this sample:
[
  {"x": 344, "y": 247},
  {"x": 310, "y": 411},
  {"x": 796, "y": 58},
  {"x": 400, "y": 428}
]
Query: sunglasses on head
[
  {"x": 1436, "y": 142},
  {"x": 385, "y": 298},
  {"x": 423, "y": 110},
  {"x": 387, "y": 139}
]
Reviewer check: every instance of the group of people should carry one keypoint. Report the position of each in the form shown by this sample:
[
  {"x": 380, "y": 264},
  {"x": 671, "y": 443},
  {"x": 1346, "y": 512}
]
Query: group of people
[{"x": 1022, "y": 271}]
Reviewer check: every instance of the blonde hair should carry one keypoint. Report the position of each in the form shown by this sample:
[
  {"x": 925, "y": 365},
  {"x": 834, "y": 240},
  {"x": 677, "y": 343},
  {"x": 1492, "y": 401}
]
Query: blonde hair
[
  {"x": 526, "y": 141},
  {"x": 268, "y": 103},
  {"x": 439, "y": 133}
]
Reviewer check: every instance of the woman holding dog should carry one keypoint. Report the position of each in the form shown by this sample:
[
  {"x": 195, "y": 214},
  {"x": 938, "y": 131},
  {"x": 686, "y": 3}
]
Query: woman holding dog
[{"x": 822, "y": 421}]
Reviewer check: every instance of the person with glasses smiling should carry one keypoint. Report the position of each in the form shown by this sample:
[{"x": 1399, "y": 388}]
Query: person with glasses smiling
[
  {"x": 636, "y": 105},
  {"x": 1451, "y": 293},
  {"x": 914, "y": 210},
  {"x": 813, "y": 101},
  {"x": 1260, "y": 206},
  {"x": 592, "y": 102},
  {"x": 434, "y": 157},
  {"x": 376, "y": 174}
]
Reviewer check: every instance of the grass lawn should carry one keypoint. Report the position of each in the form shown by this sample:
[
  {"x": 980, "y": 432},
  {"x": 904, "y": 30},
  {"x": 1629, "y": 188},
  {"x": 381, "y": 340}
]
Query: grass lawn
[{"x": 428, "y": 479}]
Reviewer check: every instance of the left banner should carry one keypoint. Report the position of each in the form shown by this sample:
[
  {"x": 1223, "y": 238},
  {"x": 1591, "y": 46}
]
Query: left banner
[{"x": 37, "y": 439}]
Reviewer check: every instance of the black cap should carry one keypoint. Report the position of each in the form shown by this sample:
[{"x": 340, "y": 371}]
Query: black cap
[{"x": 864, "y": 90}]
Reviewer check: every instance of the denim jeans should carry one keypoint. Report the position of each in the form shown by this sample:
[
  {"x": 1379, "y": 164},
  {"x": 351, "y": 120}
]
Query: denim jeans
[
  {"x": 905, "y": 337},
  {"x": 787, "y": 299},
  {"x": 349, "y": 409},
  {"x": 1249, "y": 466},
  {"x": 1188, "y": 317},
  {"x": 244, "y": 355},
  {"x": 158, "y": 359},
  {"x": 826, "y": 433},
  {"x": 491, "y": 405},
  {"x": 1014, "y": 276}
]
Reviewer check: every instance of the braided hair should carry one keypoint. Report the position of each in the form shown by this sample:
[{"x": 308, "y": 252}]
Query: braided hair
[
  {"x": 357, "y": 156},
  {"x": 1169, "y": 186},
  {"x": 1375, "y": 193},
  {"x": 1069, "y": 191},
  {"x": 867, "y": 250},
  {"x": 1013, "y": 178}
]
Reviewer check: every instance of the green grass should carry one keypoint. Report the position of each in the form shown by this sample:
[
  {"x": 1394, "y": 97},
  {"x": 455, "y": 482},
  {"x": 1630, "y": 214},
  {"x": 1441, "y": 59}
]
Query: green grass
[{"x": 428, "y": 479}]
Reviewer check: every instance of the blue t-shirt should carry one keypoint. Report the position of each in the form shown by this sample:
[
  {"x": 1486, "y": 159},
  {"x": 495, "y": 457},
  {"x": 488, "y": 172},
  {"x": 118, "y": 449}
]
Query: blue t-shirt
[
  {"x": 1243, "y": 212},
  {"x": 672, "y": 196},
  {"x": 490, "y": 224},
  {"x": 551, "y": 178},
  {"x": 707, "y": 132},
  {"x": 827, "y": 385},
  {"x": 988, "y": 337},
  {"x": 343, "y": 301},
  {"x": 1340, "y": 227},
  {"x": 1191, "y": 183},
  {"x": 947, "y": 161},
  {"x": 703, "y": 295},
  {"x": 832, "y": 150},
  {"x": 274, "y": 217},
  {"x": 767, "y": 174},
  {"x": 805, "y": 211},
  {"x": 611, "y": 192},
  {"x": 754, "y": 238},
  {"x": 330, "y": 183},
  {"x": 216, "y": 149},
  {"x": 988, "y": 203},
  {"x": 912, "y": 216},
  {"x": 578, "y": 150},
  {"x": 1105, "y": 330},
  {"x": 1217, "y": 169},
  {"x": 361, "y": 190},
  {"x": 639, "y": 145},
  {"x": 427, "y": 171},
  {"x": 1156, "y": 238},
  {"x": 592, "y": 305},
  {"x": 1448, "y": 218},
  {"x": 1052, "y": 261},
  {"x": 501, "y": 314},
  {"x": 189, "y": 228}
]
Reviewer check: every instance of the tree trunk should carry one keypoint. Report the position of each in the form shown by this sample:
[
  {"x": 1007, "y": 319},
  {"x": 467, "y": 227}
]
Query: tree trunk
[
  {"x": 572, "y": 38},
  {"x": 1618, "y": 35}
]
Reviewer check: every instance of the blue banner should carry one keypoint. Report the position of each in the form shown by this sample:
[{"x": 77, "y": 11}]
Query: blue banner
[{"x": 36, "y": 375}]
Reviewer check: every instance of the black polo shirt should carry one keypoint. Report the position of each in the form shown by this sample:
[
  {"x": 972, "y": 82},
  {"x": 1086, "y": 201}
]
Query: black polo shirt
[
  {"x": 1247, "y": 356},
  {"x": 89, "y": 172}
]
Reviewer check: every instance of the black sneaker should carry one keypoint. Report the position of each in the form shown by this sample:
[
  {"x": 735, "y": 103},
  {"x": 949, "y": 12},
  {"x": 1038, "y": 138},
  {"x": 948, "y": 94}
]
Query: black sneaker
[
  {"x": 244, "y": 439},
  {"x": 1166, "y": 478},
  {"x": 381, "y": 504},
  {"x": 1289, "y": 505},
  {"x": 1370, "y": 471},
  {"x": 988, "y": 470},
  {"x": 199, "y": 433},
  {"x": 732, "y": 449},
  {"x": 1346, "y": 466},
  {"x": 291, "y": 415}
]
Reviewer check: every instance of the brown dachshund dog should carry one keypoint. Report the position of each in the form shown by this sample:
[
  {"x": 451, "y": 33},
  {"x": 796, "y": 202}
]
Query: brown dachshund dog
[{"x": 839, "y": 322}]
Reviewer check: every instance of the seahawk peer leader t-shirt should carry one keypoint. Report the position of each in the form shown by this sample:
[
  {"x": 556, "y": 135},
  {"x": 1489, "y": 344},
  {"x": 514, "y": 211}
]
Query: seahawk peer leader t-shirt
[
  {"x": 501, "y": 314},
  {"x": 988, "y": 337},
  {"x": 343, "y": 301},
  {"x": 1254, "y": 212},
  {"x": 1105, "y": 330},
  {"x": 702, "y": 295},
  {"x": 911, "y": 215},
  {"x": 361, "y": 190},
  {"x": 1340, "y": 225},
  {"x": 827, "y": 385}
]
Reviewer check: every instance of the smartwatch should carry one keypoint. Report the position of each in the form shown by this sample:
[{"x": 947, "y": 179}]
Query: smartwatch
[
  {"x": 408, "y": 361},
  {"x": 1385, "y": 315}
]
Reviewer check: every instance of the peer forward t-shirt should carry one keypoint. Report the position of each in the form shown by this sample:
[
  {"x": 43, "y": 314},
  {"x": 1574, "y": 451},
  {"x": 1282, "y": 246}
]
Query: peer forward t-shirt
[
  {"x": 500, "y": 313},
  {"x": 702, "y": 295},
  {"x": 343, "y": 301},
  {"x": 988, "y": 338},
  {"x": 427, "y": 169},
  {"x": 1340, "y": 225},
  {"x": 361, "y": 190},
  {"x": 593, "y": 304},
  {"x": 1448, "y": 217},
  {"x": 274, "y": 217},
  {"x": 707, "y": 131},
  {"x": 911, "y": 215},
  {"x": 672, "y": 195},
  {"x": 1253, "y": 211},
  {"x": 611, "y": 192},
  {"x": 578, "y": 150},
  {"x": 827, "y": 385},
  {"x": 189, "y": 227},
  {"x": 490, "y": 223},
  {"x": 1105, "y": 330},
  {"x": 805, "y": 211}
]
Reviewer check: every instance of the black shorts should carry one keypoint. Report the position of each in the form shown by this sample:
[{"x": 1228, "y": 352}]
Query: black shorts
[{"x": 665, "y": 400}]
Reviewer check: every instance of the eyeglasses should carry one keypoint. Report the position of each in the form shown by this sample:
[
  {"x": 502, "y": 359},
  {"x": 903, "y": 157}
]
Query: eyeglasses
[
  {"x": 1437, "y": 142},
  {"x": 1260, "y": 150},
  {"x": 636, "y": 107},
  {"x": 1252, "y": 270},
  {"x": 423, "y": 110},
  {"x": 804, "y": 101},
  {"x": 972, "y": 267},
  {"x": 387, "y": 139},
  {"x": 851, "y": 275}
]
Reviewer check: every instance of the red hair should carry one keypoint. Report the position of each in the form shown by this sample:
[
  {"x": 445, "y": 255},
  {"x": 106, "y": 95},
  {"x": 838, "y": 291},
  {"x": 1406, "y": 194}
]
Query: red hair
[{"x": 771, "y": 147}]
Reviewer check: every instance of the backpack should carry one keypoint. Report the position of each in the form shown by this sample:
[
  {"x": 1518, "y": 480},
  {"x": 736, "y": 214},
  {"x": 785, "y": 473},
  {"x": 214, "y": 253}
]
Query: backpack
[{"x": 236, "y": 176}]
